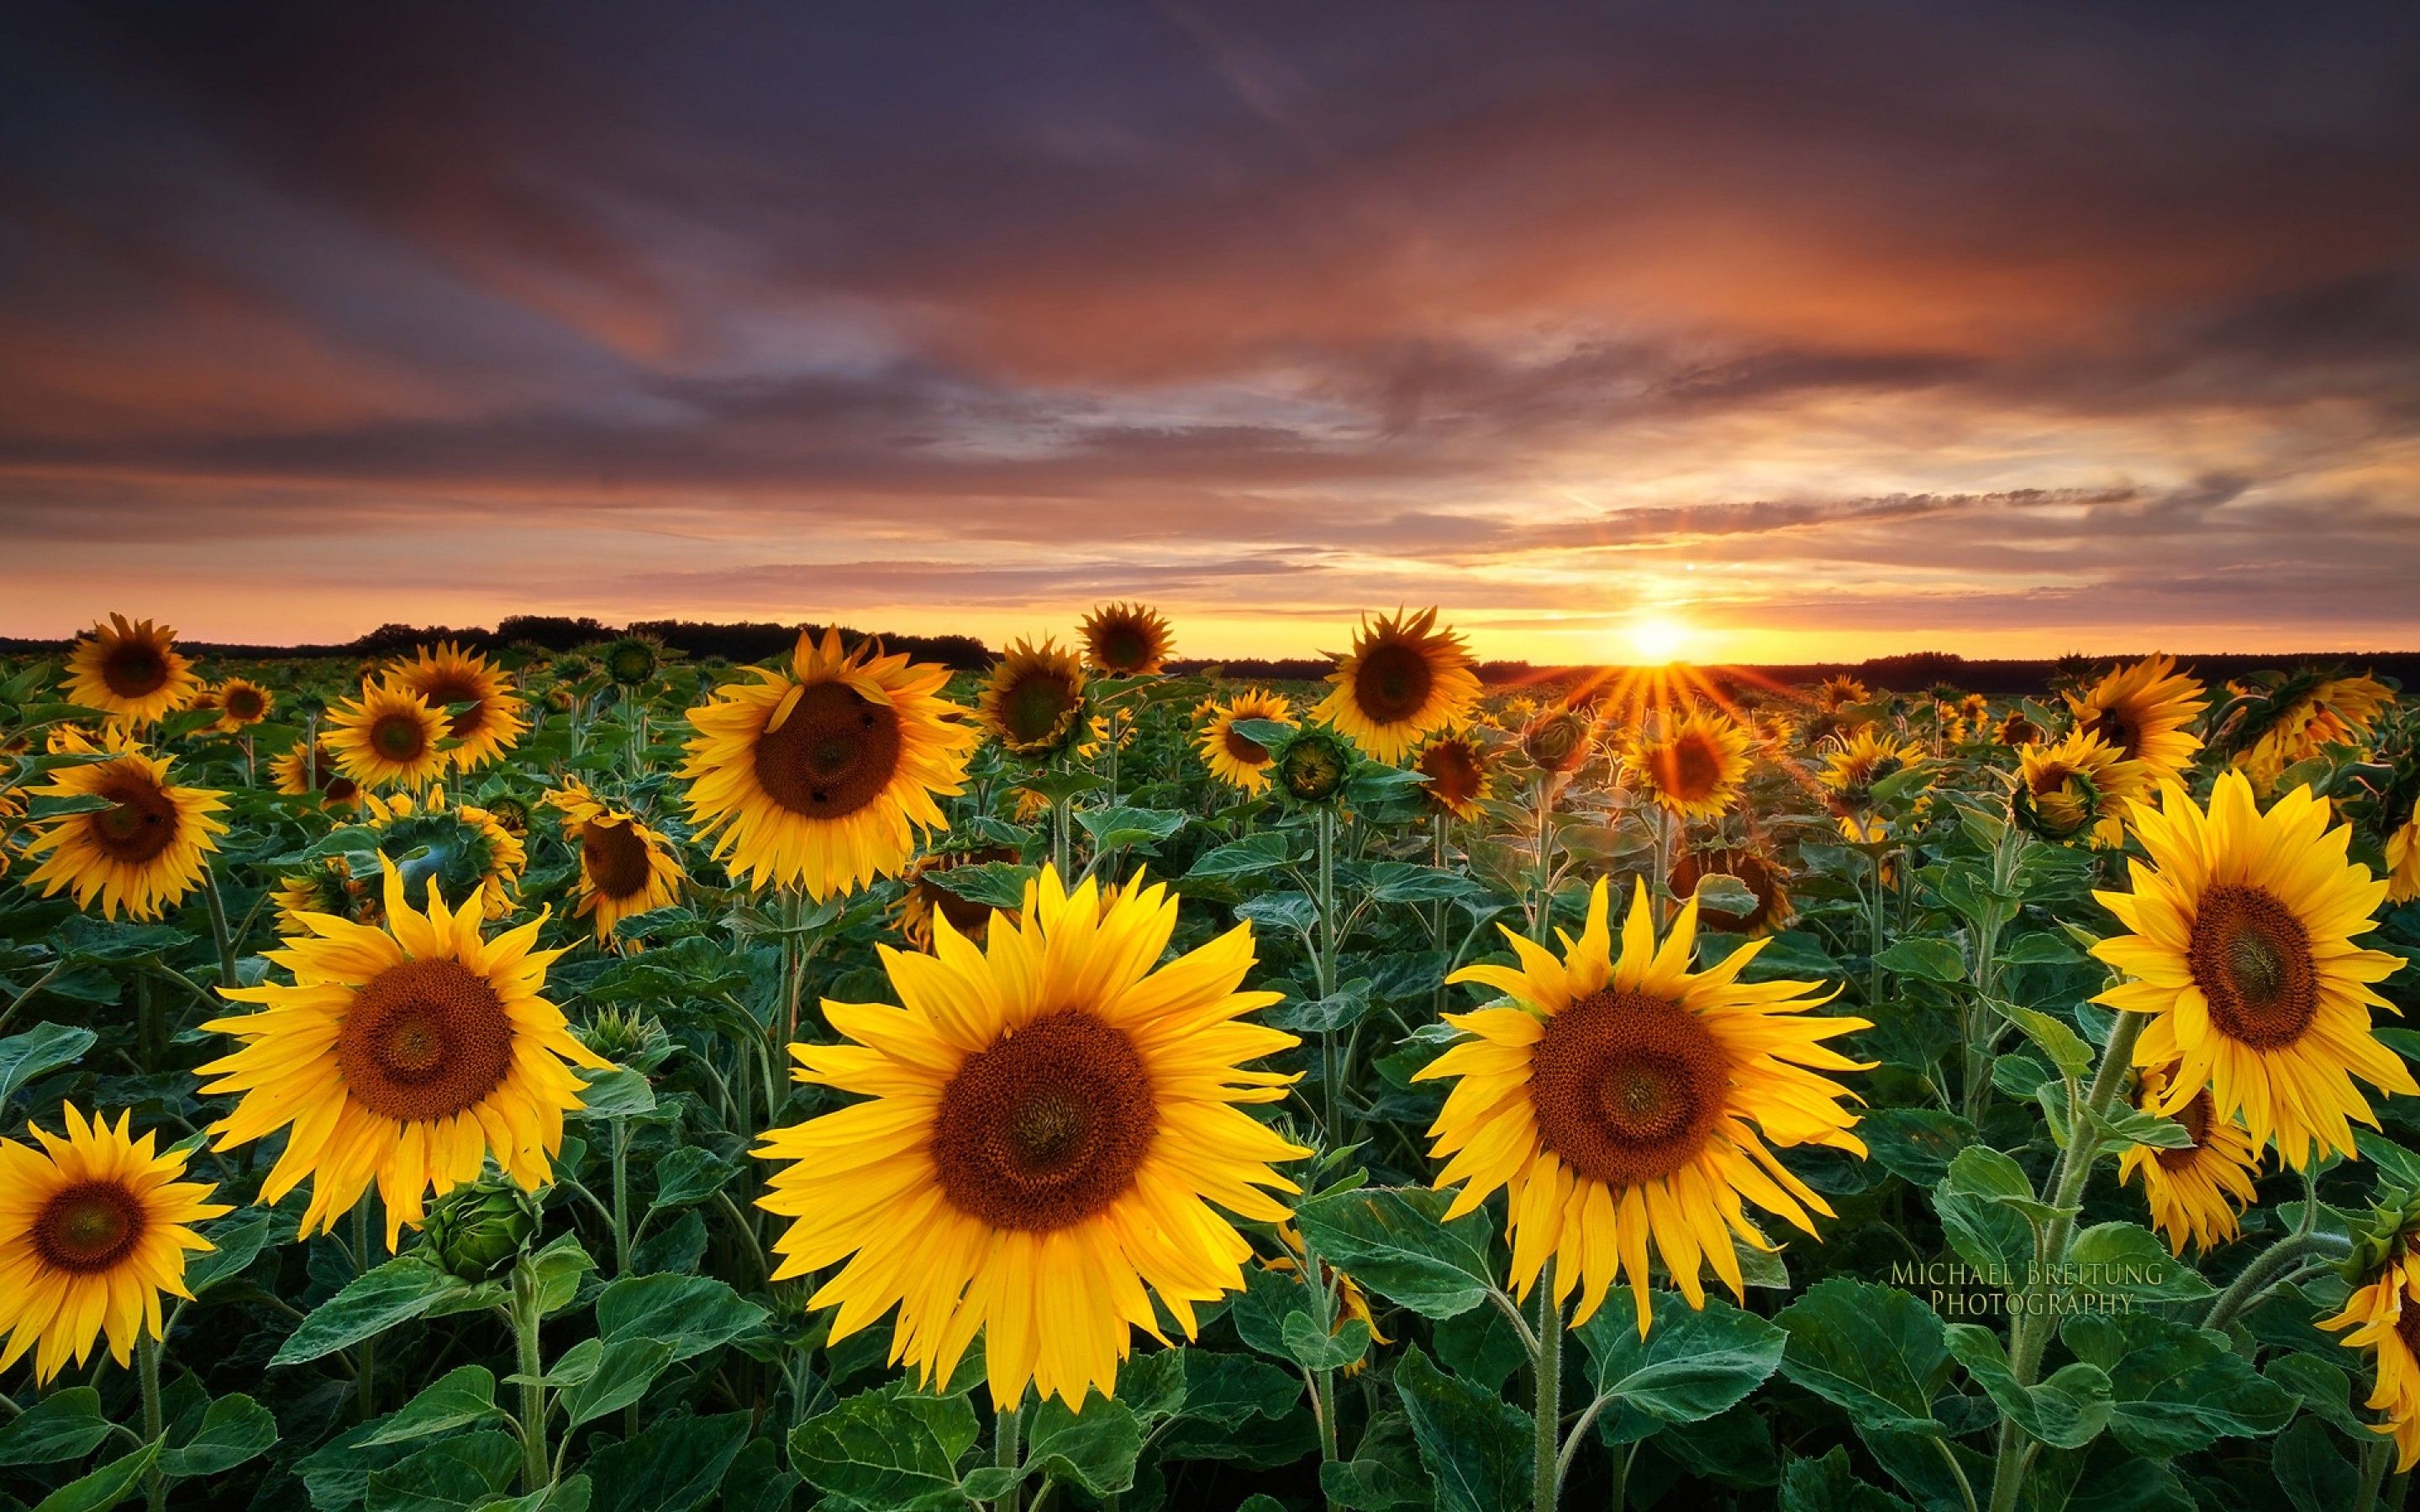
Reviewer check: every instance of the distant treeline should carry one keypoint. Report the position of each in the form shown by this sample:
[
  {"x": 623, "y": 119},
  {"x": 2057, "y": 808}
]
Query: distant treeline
[{"x": 756, "y": 640}]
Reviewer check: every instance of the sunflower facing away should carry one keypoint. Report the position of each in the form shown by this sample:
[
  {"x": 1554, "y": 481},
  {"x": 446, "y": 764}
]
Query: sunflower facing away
[
  {"x": 1756, "y": 869},
  {"x": 1047, "y": 1123},
  {"x": 821, "y": 777},
  {"x": 2241, "y": 950},
  {"x": 327, "y": 887},
  {"x": 1404, "y": 678},
  {"x": 1033, "y": 700},
  {"x": 1125, "y": 640},
  {"x": 494, "y": 722},
  {"x": 923, "y": 897},
  {"x": 2403, "y": 859},
  {"x": 300, "y": 768},
  {"x": 387, "y": 738},
  {"x": 242, "y": 704},
  {"x": 1620, "y": 1100},
  {"x": 93, "y": 1226},
  {"x": 2143, "y": 711},
  {"x": 1461, "y": 774},
  {"x": 1239, "y": 763},
  {"x": 142, "y": 855},
  {"x": 404, "y": 1055},
  {"x": 1852, "y": 767},
  {"x": 2384, "y": 1315},
  {"x": 462, "y": 847},
  {"x": 2078, "y": 783},
  {"x": 130, "y": 672},
  {"x": 2017, "y": 731},
  {"x": 1692, "y": 769},
  {"x": 2195, "y": 1193},
  {"x": 1833, "y": 694},
  {"x": 2330, "y": 711},
  {"x": 626, "y": 867}
]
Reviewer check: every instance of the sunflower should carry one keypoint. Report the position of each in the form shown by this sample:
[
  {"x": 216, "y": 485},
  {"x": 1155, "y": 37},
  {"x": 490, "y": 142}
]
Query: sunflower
[
  {"x": 631, "y": 661},
  {"x": 405, "y": 1054},
  {"x": 2241, "y": 950},
  {"x": 1692, "y": 767},
  {"x": 93, "y": 1227},
  {"x": 1033, "y": 700},
  {"x": 2329, "y": 712},
  {"x": 2403, "y": 859},
  {"x": 1351, "y": 1303},
  {"x": 462, "y": 847},
  {"x": 1559, "y": 741},
  {"x": 1852, "y": 767},
  {"x": 1623, "y": 1100},
  {"x": 2078, "y": 784},
  {"x": 490, "y": 726},
  {"x": 144, "y": 853},
  {"x": 1403, "y": 679},
  {"x": 132, "y": 673},
  {"x": 2384, "y": 1315},
  {"x": 2017, "y": 731},
  {"x": 1833, "y": 694},
  {"x": 387, "y": 738},
  {"x": 1755, "y": 869},
  {"x": 1232, "y": 759},
  {"x": 1125, "y": 640},
  {"x": 1461, "y": 772},
  {"x": 925, "y": 897},
  {"x": 325, "y": 889},
  {"x": 2143, "y": 711},
  {"x": 1047, "y": 1123},
  {"x": 2195, "y": 1193},
  {"x": 303, "y": 768},
  {"x": 626, "y": 867},
  {"x": 1975, "y": 710},
  {"x": 821, "y": 777},
  {"x": 242, "y": 704}
]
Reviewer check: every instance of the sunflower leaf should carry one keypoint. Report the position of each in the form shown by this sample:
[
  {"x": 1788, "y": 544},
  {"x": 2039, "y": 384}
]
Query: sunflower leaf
[
  {"x": 370, "y": 1303},
  {"x": 1396, "y": 1241},
  {"x": 1872, "y": 1350},
  {"x": 1691, "y": 1366},
  {"x": 1475, "y": 1444},
  {"x": 38, "y": 1051}
]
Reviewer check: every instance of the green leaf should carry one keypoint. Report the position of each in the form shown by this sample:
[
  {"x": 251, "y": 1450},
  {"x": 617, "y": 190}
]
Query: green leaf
[
  {"x": 1402, "y": 882},
  {"x": 1115, "y": 828},
  {"x": 2315, "y": 1472},
  {"x": 104, "y": 1488},
  {"x": 1315, "y": 1348},
  {"x": 2325, "y": 1391},
  {"x": 568, "y": 1495},
  {"x": 2066, "y": 1412},
  {"x": 558, "y": 1267},
  {"x": 1395, "y": 1242},
  {"x": 2176, "y": 1388},
  {"x": 1691, "y": 1366},
  {"x": 1980, "y": 1171},
  {"x": 1383, "y": 1475},
  {"x": 625, "y": 1369},
  {"x": 36, "y": 1052},
  {"x": 1987, "y": 1235},
  {"x": 234, "y": 1429},
  {"x": 1915, "y": 1143},
  {"x": 65, "y": 1425},
  {"x": 672, "y": 1466},
  {"x": 370, "y": 1303},
  {"x": 450, "y": 1475},
  {"x": 1875, "y": 1352},
  {"x": 887, "y": 1448},
  {"x": 1238, "y": 1410},
  {"x": 619, "y": 1093},
  {"x": 2043, "y": 948},
  {"x": 1093, "y": 1450},
  {"x": 693, "y": 1313},
  {"x": 1476, "y": 1446},
  {"x": 2128, "y": 1260},
  {"x": 240, "y": 1240},
  {"x": 1249, "y": 857},
  {"x": 456, "y": 1399},
  {"x": 2066, "y": 1049},
  {"x": 1918, "y": 956},
  {"x": 1826, "y": 1485},
  {"x": 690, "y": 1174}
]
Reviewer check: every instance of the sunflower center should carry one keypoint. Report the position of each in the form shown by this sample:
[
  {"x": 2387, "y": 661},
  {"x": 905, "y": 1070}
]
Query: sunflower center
[
  {"x": 2251, "y": 958},
  {"x": 243, "y": 702},
  {"x": 1689, "y": 770},
  {"x": 835, "y": 754},
  {"x": 2114, "y": 727},
  {"x": 2197, "y": 1116},
  {"x": 1123, "y": 648},
  {"x": 1392, "y": 683},
  {"x": 88, "y": 1228},
  {"x": 1453, "y": 776},
  {"x": 134, "y": 669},
  {"x": 398, "y": 737},
  {"x": 1747, "y": 866},
  {"x": 1034, "y": 707},
  {"x": 1048, "y": 1127},
  {"x": 2406, "y": 1326},
  {"x": 425, "y": 1040},
  {"x": 1626, "y": 1087},
  {"x": 139, "y": 823},
  {"x": 616, "y": 858},
  {"x": 440, "y": 692},
  {"x": 1251, "y": 752}
]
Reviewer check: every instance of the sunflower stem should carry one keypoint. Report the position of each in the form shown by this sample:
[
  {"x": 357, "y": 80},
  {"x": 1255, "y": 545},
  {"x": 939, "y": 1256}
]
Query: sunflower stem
[
  {"x": 220, "y": 934},
  {"x": 1549, "y": 1422},
  {"x": 146, "y": 1366},
  {"x": 1329, "y": 1071},
  {"x": 1005, "y": 1453},
  {"x": 2375, "y": 1457},
  {"x": 1437, "y": 914},
  {"x": 535, "y": 1474},
  {"x": 621, "y": 1196},
  {"x": 366, "y": 1353}
]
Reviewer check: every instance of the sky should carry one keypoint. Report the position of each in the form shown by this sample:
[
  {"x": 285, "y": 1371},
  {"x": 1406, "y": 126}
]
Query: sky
[{"x": 1741, "y": 333}]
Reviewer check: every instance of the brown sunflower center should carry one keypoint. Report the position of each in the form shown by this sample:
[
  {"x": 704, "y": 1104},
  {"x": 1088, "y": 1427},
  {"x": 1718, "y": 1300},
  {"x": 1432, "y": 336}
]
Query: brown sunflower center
[
  {"x": 1048, "y": 1127},
  {"x": 88, "y": 1228},
  {"x": 399, "y": 736},
  {"x": 450, "y": 688},
  {"x": 425, "y": 1040},
  {"x": 834, "y": 753},
  {"x": 134, "y": 669},
  {"x": 1123, "y": 647},
  {"x": 1689, "y": 769},
  {"x": 2407, "y": 1326},
  {"x": 1453, "y": 774},
  {"x": 243, "y": 702},
  {"x": 139, "y": 823},
  {"x": 616, "y": 858},
  {"x": 1626, "y": 1087},
  {"x": 1035, "y": 706},
  {"x": 1747, "y": 866},
  {"x": 2114, "y": 727},
  {"x": 2251, "y": 958},
  {"x": 2197, "y": 1116},
  {"x": 1250, "y": 752},
  {"x": 1391, "y": 682}
]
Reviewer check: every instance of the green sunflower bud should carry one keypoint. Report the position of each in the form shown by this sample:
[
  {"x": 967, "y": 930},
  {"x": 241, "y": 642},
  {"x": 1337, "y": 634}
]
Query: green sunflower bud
[
  {"x": 1313, "y": 764},
  {"x": 1558, "y": 742},
  {"x": 478, "y": 1230}
]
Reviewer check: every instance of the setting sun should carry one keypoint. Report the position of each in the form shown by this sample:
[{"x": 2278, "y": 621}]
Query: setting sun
[{"x": 1657, "y": 639}]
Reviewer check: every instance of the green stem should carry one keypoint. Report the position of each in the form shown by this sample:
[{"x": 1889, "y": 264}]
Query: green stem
[
  {"x": 535, "y": 1474},
  {"x": 1874, "y": 931},
  {"x": 27, "y": 996},
  {"x": 1325, "y": 965},
  {"x": 220, "y": 934},
  {"x": 2375, "y": 1457},
  {"x": 147, "y": 1365},
  {"x": 621, "y": 1196},
  {"x": 1548, "y": 1439},
  {"x": 364, "y": 1390},
  {"x": 2262, "y": 1273},
  {"x": 1005, "y": 1455},
  {"x": 148, "y": 1036}
]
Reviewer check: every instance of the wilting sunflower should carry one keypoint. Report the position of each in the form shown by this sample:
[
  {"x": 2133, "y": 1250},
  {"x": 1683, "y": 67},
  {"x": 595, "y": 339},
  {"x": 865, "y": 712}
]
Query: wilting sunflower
[
  {"x": 2403, "y": 859},
  {"x": 925, "y": 897},
  {"x": 142, "y": 855},
  {"x": 2078, "y": 784},
  {"x": 2143, "y": 711},
  {"x": 1461, "y": 772},
  {"x": 1125, "y": 640},
  {"x": 1033, "y": 700},
  {"x": 1692, "y": 767},
  {"x": 1833, "y": 694},
  {"x": 130, "y": 672},
  {"x": 626, "y": 867},
  {"x": 387, "y": 738},
  {"x": 300, "y": 768},
  {"x": 1620, "y": 1100},
  {"x": 1403, "y": 679},
  {"x": 821, "y": 777},
  {"x": 2195, "y": 1193},
  {"x": 404, "y": 1055},
  {"x": 462, "y": 846},
  {"x": 2385, "y": 1316},
  {"x": 242, "y": 704},
  {"x": 1047, "y": 1123},
  {"x": 93, "y": 1226},
  {"x": 492, "y": 725},
  {"x": 2310, "y": 713},
  {"x": 1234, "y": 760},
  {"x": 2241, "y": 950},
  {"x": 1755, "y": 869}
]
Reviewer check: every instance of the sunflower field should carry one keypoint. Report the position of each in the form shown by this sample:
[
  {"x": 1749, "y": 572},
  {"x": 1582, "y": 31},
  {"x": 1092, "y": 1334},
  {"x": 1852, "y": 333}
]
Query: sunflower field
[{"x": 609, "y": 1081}]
